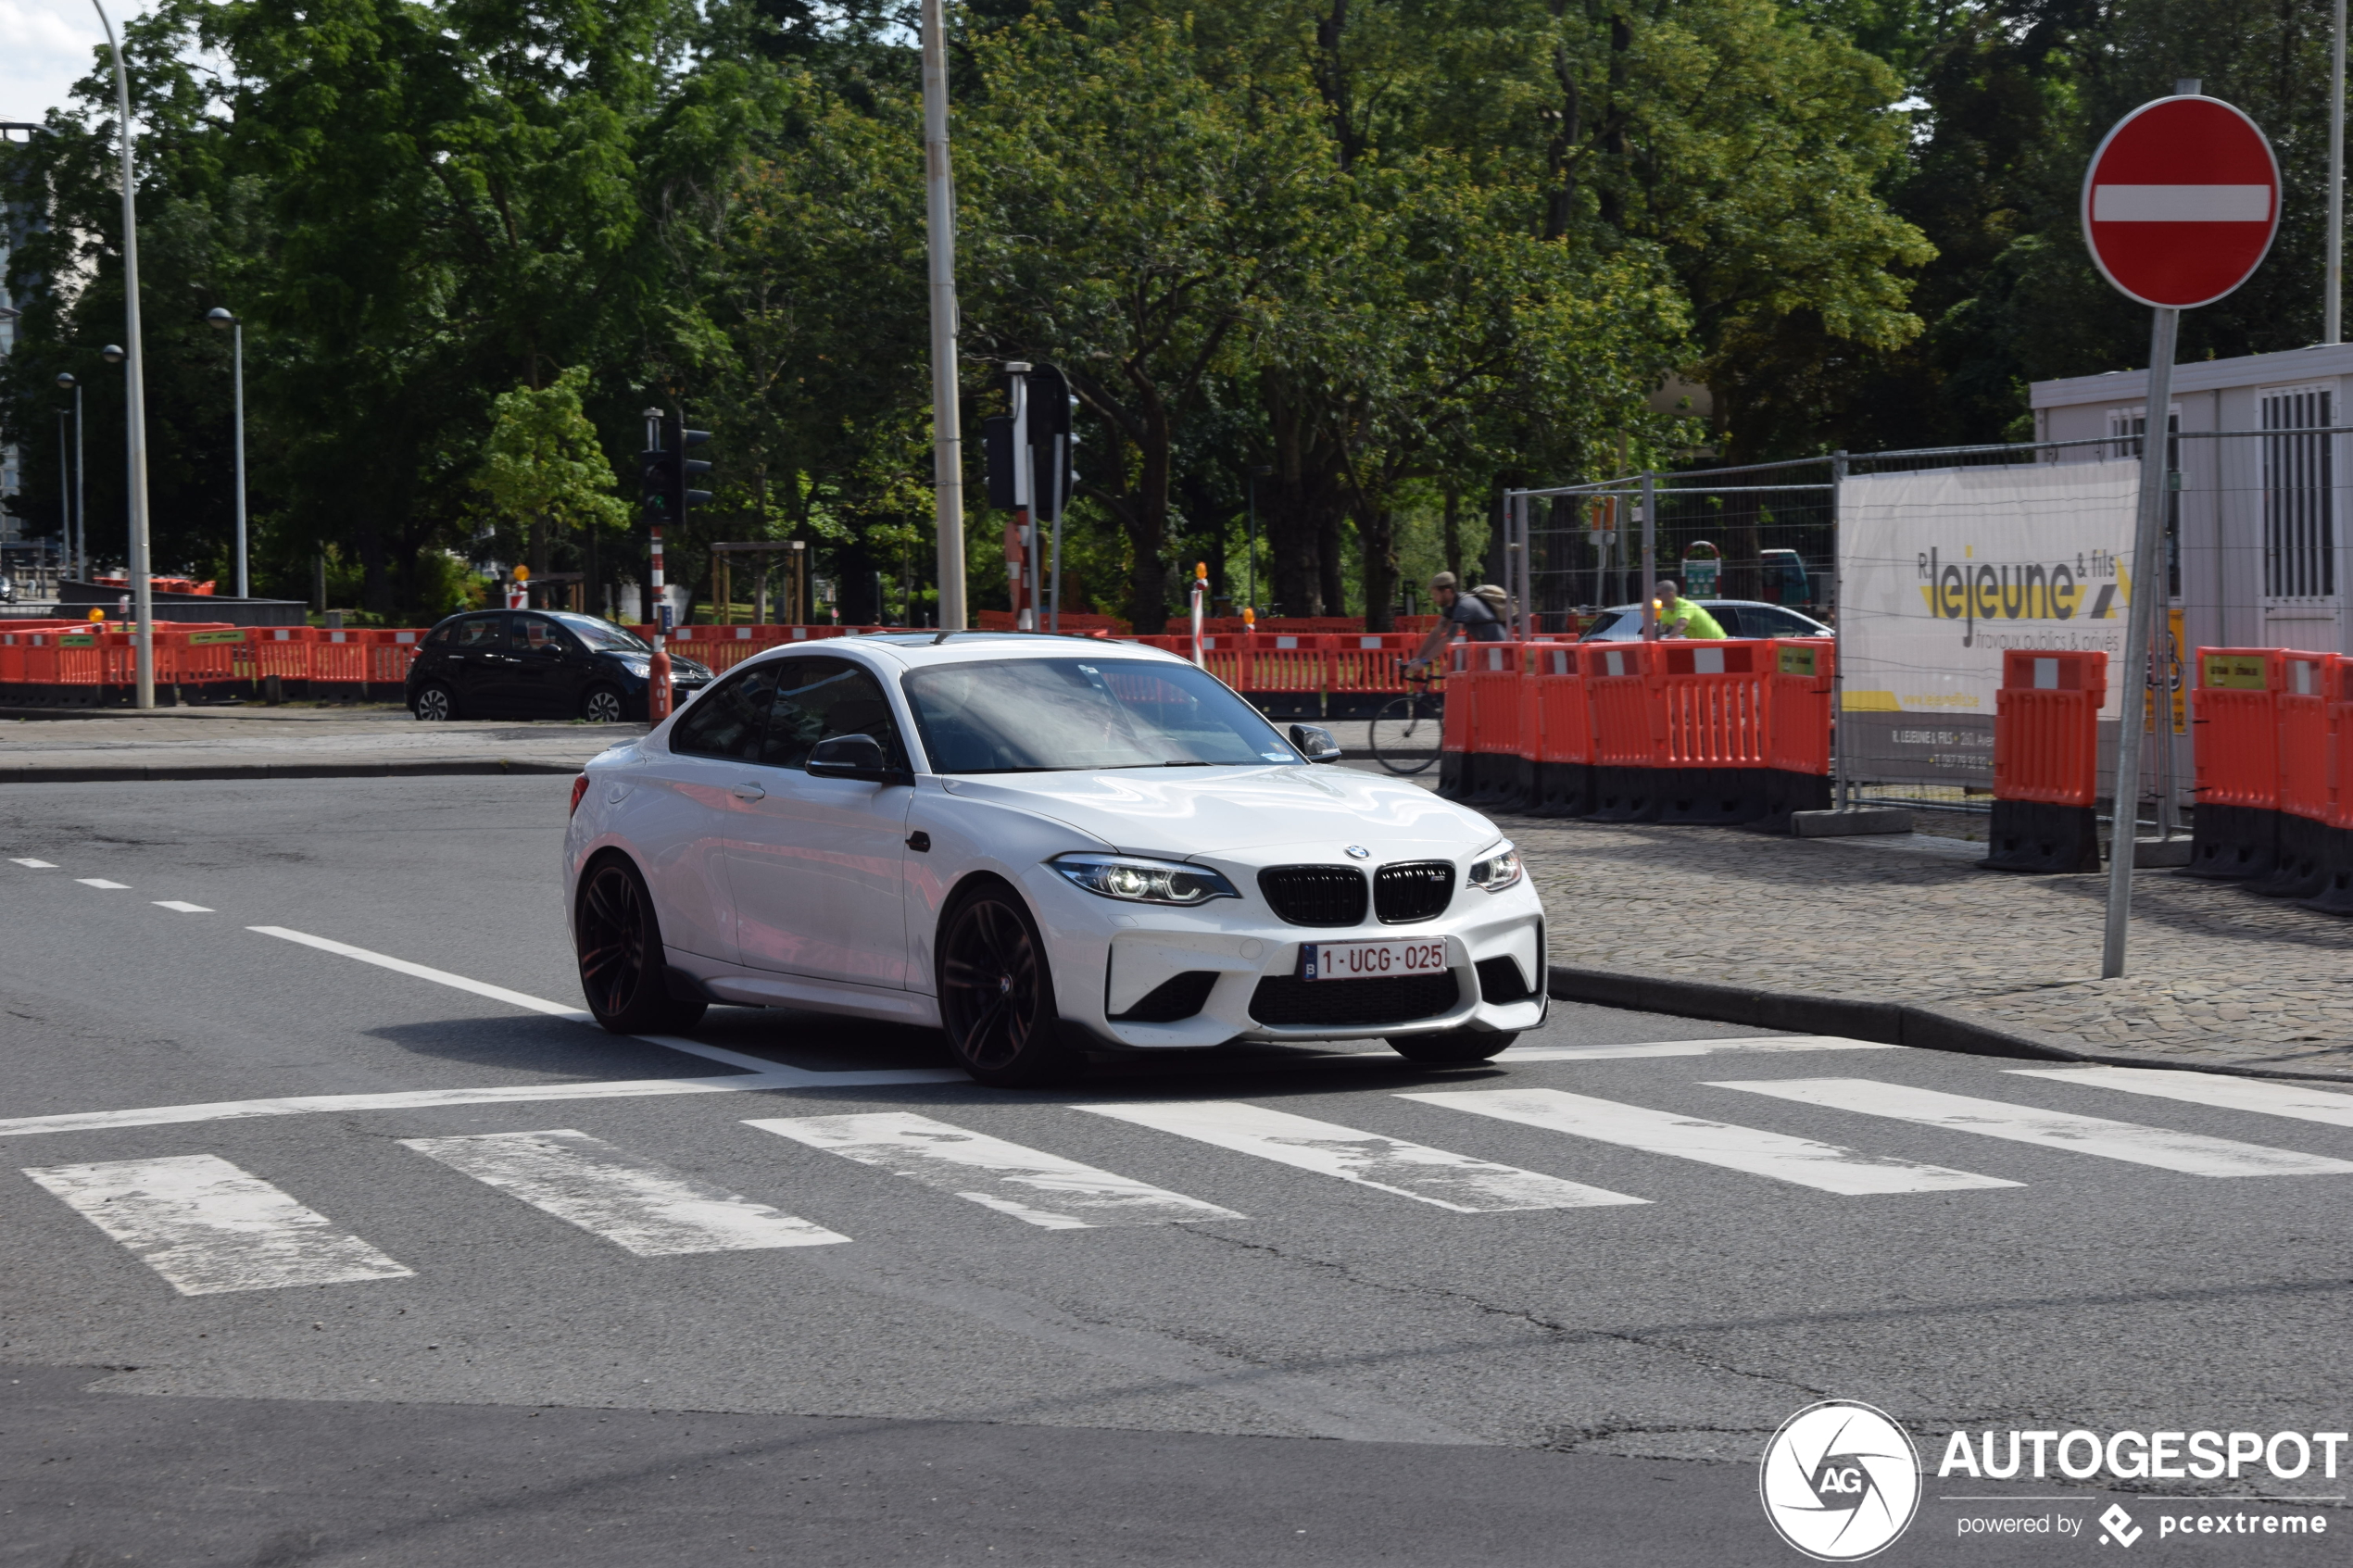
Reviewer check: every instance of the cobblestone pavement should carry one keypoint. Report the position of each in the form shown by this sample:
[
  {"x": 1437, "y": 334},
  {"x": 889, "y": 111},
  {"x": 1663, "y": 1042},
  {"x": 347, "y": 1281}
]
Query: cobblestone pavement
[
  {"x": 2216, "y": 975},
  {"x": 336, "y": 736}
]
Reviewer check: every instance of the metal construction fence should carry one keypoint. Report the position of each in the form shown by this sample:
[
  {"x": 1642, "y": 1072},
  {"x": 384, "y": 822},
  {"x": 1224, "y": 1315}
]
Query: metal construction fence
[{"x": 1930, "y": 564}]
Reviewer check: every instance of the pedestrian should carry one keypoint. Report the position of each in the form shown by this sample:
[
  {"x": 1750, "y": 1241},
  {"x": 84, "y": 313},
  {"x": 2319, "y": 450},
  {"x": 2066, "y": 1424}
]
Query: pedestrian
[{"x": 1680, "y": 617}]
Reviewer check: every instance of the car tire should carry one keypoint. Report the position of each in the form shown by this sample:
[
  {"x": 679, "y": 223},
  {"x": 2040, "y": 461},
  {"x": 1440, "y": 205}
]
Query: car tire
[
  {"x": 602, "y": 705},
  {"x": 617, "y": 936},
  {"x": 1455, "y": 1045},
  {"x": 996, "y": 992},
  {"x": 433, "y": 703}
]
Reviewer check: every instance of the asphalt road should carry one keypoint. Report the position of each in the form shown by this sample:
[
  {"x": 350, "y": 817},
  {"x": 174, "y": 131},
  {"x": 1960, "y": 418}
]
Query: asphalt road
[{"x": 690, "y": 1316}]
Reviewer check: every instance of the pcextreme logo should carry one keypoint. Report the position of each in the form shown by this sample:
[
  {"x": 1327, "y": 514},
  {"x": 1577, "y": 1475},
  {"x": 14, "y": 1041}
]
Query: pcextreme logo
[{"x": 1841, "y": 1481}]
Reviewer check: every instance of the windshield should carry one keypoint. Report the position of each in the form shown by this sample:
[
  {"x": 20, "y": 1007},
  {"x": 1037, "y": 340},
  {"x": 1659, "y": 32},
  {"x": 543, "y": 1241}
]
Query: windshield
[
  {"x": 602, "y": 636},
  {"x": 1044, "y": 715}
]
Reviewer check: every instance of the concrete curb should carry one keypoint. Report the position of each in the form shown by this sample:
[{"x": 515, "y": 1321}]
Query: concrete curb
[
  {"x": 1893, "y": 1024},
  {"x": 164, "y": 771}
]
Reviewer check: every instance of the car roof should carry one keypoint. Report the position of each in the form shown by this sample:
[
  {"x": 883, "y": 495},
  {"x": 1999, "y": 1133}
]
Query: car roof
[
  {"x": 915, "y": 650},
  {"x": 1736, "y": 604}
]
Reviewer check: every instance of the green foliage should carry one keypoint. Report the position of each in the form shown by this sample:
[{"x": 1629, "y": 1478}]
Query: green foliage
[{"x": 542, "y": 465}]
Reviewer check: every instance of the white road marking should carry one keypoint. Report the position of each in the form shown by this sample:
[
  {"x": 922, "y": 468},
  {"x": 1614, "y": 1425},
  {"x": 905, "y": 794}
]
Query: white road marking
[
  {"x": 209, "y": 1227},
  {"x": 2305, "y": 1102},
  {"x": 181, "y": 905},
  {"x": 100, "y": 882},
  {"x": 1690, "y": 1047},
  {"x": 412, "y": 1099},
  {"x": 648, "y": 1210},
  {"x": 581, "y": 1015},
  {"x": 38, "y": 865},
  {"x": 1826, "y": 1167},
  {"x": 1044, "y": 1189},
  {"x": 1410, "y": 1169},
  {"x": 2190, "y": 1153}
]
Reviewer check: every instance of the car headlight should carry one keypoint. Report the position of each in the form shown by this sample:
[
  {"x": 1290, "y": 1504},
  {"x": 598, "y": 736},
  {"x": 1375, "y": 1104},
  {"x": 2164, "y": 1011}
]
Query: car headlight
[
  {"x": 1496, "y": 870},
  {"x": 641, "y": 668},
  {"x": 1138, "y": 881}
]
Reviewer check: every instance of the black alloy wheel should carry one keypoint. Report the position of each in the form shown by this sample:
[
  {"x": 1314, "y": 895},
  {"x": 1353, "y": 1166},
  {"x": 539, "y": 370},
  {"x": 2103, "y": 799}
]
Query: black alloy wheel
[
  {"x": 433, "y": 704},
  {"x": 1455, "y": 1045},
  {"x": 995, "y": 994},
  {"x": 602, "y": 706},
  {"x": 619, "y": 939}
]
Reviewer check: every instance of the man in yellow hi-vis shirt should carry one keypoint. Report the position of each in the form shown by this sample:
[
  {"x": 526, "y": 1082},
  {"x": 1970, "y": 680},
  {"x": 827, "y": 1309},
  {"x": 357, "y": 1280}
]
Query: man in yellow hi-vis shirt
[{"x": 1680, "y": 617}]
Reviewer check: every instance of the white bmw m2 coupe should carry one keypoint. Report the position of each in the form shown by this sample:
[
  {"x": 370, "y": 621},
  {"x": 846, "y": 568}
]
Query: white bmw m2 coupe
[{"x": 1045, "y": 846}]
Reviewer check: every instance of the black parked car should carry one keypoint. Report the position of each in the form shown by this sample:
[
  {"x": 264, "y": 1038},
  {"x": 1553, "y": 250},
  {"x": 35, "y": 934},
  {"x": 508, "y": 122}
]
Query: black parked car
[{"x": 538, "y": 664}]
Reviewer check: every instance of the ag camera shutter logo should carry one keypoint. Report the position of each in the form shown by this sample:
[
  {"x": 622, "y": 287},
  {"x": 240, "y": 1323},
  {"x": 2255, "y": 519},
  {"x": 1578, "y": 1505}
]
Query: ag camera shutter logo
[{"x": 1841, "y": 1481}]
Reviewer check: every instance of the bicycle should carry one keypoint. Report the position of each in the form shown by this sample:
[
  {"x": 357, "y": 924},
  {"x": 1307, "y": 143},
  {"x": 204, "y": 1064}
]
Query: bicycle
[{"x": 1406, "y": 732}]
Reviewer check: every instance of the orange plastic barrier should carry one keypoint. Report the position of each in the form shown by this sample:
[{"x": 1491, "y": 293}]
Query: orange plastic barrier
[
  {"x": 2234, "y": 726},
  {"x": 1366, "y": 671},
  {"x": 2303, "y": 704},
  {"x": 1285, "y": 670},
  {"x": 1491, "y": 771},
  {"x": 1799, "y": 680},
  {"x": 2046, "y": 762},
  {"x": 2334, "y": 894},
  {"x": 1626, "y": 742},
  {"x": 1712, "y": 729},
  {"x": 1560, "y": 734},
  {"x": 1455, "y": 723}
]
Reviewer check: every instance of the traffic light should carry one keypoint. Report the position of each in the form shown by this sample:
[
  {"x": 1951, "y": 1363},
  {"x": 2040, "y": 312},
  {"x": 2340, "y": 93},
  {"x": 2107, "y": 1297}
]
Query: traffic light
[
  {"x": 664, "y": 490},
  {"x": 682, "y": 469}
]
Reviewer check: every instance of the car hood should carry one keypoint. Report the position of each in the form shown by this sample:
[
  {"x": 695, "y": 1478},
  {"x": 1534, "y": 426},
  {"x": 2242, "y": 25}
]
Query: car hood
[{"x": 1219, "y": 810}]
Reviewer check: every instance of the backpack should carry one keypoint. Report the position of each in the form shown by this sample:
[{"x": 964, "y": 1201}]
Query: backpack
[{"x": 1497, "y": 599}]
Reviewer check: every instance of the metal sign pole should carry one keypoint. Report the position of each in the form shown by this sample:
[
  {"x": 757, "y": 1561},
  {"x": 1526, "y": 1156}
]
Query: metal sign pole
[
  {"x": 142, "y": 607},
  {"x": 1650, "y": 556},
  {"x": 2148, "y": 530},
  {"x": 939, "y": 224},
  {"x": 1026, "y": 577},
  {"x": 1839, "y": 788}
]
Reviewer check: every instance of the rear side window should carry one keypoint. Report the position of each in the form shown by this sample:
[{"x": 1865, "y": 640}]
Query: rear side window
[
  {"x": 440, "y": 635},
  {"x": 817, "y": 699},
  {"x": 481, "y": 633},
  {"x": 726, "y": 721}
]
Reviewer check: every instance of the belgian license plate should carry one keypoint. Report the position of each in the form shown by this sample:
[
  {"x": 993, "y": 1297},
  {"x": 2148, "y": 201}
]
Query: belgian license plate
[{"x": 1369, "y": 960}]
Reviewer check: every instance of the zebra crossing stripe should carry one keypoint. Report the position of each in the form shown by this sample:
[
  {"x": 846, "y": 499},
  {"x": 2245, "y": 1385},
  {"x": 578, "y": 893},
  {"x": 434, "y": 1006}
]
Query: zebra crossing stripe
[
  {"x": 1768, "y": 1044},
  {"x": 1825, "y": 1167},
  {"x": 1410, "y": 1169},
  {"x": 2304, "y": 1102},
  {"x": 2190, "y": 1153},
  {"x": 208, "y": 1227},
  {"x": 642, "y": 1208},
  {"x": 1043, "y": 1189}
]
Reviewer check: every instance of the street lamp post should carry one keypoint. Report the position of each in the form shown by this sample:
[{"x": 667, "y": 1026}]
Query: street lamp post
[
  {"x": 78, "y": 541},
  {"x": 939, "y": 230},
  {"x": 143, "y": 633},
  {"x": 227, "y": 321}
]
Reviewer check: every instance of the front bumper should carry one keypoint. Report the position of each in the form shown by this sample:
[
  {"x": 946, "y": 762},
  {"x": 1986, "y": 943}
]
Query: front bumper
[{"x": 1109, "y": 957}]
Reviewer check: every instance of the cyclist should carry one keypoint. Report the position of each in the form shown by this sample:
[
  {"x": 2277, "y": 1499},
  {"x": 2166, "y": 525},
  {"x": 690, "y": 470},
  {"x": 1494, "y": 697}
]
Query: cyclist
[{"x": 1473, "y": 612}]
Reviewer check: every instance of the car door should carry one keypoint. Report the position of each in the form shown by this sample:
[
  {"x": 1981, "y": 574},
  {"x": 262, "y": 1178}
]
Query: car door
[
  {"x": 681, "y": 813},
  {"x": 477, "y": 665},
  {"x": 541, "y": 677},
  {"x": 817, "y": 864}
]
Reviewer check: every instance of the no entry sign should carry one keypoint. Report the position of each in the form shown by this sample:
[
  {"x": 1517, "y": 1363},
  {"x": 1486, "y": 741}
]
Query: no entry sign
[{"x": 2180, "y": 202}]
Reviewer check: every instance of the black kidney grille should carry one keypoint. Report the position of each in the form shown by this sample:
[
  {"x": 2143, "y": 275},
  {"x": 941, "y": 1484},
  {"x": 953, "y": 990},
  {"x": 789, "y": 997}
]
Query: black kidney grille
[
  {"x": 1414, "y": 890},
  {"x": 1315, "y": 895},
  {"x": 1285, "y": 999}
]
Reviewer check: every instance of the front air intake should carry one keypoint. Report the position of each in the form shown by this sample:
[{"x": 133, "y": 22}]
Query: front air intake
[{"x": 1315, "y": 895}]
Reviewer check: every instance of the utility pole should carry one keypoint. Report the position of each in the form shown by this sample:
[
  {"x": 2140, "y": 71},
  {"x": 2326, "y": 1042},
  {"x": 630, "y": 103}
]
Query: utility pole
[
  {"x": 947, "y": 434},
  {"x": 2332, "y": 305},
  {"x": 219, "y": 317},
  {"x": 143, "y": 605}
]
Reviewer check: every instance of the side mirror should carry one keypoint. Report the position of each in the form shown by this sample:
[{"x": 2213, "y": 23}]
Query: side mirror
[
  {"x": 552, "y": 650},
  {"x": 852, "y": 757},
  {"x": 1315, "y": 743}
]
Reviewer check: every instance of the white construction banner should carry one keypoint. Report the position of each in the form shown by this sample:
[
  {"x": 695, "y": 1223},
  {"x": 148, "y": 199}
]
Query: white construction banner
[{"x": 1940, "y": 571}]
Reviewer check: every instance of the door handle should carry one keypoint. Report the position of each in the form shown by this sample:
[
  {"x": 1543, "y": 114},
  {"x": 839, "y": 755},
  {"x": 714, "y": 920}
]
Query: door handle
[{"x": 748, "y": 792}]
